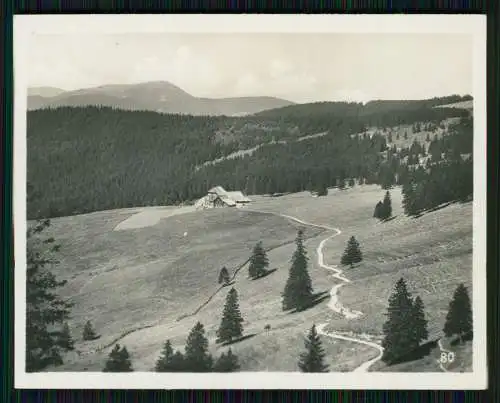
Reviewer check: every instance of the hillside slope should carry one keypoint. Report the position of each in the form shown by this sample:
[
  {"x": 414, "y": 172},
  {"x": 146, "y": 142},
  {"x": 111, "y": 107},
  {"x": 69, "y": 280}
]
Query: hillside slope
[
  {"x": 139, "y": 158},
  {"x": 159, "y": 96},
  {"x": 162, "y": 277}
]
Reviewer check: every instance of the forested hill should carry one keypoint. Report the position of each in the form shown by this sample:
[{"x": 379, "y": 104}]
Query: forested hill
[
  {"x": 85, "y": 159},
  {"x": 380, "y": 109}
]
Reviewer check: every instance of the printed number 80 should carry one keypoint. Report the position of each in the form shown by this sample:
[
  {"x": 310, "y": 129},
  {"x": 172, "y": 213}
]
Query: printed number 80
[{"x": 447, "y": 357}]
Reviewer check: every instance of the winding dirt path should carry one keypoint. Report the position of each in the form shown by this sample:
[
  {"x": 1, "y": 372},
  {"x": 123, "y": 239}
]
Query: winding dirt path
[{"x": 334, "y": 304}]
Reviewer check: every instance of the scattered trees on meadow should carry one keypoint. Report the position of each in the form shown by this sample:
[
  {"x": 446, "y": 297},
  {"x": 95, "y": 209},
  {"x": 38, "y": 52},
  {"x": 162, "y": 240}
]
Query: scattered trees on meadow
[
  {"x": 258, "y": 262},
  {"x": 231, "y": 326},
  {"x": 47, "y": 333},
  {"x": 89, "y": 332},
  {"x": 383, "y": 209},
  {"x": 406, "y": 326},
  {"x": 118, "y": 360},
  {"x": 224, "y": 276},
  {"x": 312, "y": 360},
  {"x": 352, "y": 253},
  {"x": 298, "y": 290},
  {"x": 459, "y": 317},
  {"x": 196, "y": 357}
]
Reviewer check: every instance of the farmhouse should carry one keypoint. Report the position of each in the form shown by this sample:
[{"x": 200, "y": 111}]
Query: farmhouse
[{"x": 219, "y": 197}]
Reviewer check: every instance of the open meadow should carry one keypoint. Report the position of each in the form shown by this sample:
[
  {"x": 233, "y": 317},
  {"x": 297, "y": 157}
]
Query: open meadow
[{"x": 140, "y": 285}]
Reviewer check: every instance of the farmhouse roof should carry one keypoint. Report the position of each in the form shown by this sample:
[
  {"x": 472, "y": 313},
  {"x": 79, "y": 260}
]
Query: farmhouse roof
[
  {"x": 227, "y": 201},
  {"x": 238, "y": 196},
  {"x": 218, "y": 190}
]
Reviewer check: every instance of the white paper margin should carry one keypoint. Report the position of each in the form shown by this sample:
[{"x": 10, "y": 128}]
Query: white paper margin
[{"x": 475, "y": 25}]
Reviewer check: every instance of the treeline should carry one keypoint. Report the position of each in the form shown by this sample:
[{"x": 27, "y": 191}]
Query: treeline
[
  {"x": 306, "y": 165},
  {"x": 91, "y": 158},
  {"x": 319, "y": 115}
]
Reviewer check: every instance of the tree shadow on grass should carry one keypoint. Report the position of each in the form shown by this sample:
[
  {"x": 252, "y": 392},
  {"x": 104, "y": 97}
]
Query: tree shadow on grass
[
  {"x": 316, "y": 299},
  {"x": 433, "y": 209},
  {"x": 389, "y": 219},
  {"x": 228, "y": 284},
  {"x": 245, "y": 337},
  {"x": 420, "y": 352},
  {"x": 267, "y": 273},
  {"x": 96, "y": 337},
  {"x": 466, "y": 337}
]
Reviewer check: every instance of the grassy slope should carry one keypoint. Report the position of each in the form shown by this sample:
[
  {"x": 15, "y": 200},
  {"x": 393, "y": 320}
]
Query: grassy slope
[{"x": 145, "y": 276}]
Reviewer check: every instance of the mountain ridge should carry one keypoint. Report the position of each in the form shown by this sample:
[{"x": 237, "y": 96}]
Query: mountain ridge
[{"x": 156, "y": 96}]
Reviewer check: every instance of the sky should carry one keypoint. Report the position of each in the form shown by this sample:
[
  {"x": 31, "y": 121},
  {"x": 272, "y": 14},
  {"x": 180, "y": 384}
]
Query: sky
[{"x": 303, "y": 67}]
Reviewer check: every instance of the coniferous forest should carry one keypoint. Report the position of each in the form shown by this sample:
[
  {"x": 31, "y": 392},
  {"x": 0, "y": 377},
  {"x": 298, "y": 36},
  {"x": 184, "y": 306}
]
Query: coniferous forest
[{"x": 95, "y": 158}]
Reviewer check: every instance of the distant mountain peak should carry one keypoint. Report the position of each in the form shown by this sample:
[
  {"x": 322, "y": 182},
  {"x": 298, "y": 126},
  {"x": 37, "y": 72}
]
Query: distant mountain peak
[{"x": 159, "y": 96}]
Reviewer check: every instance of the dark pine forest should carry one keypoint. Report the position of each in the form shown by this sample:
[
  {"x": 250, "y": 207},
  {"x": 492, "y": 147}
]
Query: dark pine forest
[{"x": 86, "y": 159}]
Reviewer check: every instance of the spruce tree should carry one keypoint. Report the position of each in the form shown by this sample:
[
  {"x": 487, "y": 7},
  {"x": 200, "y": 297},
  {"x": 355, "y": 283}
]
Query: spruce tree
[
  {"x": 352, "y": 182},
  {"x": 377, "y": 213},
  {"x": 312, "y": 360},
  {"x": 352, "y": 253},
  {"x": 341, "y": 183},
  {"x": 227, "y": 363},
  {"x": 386, "y": 206},
  {"x": 298, "y": 289},
  {"x": 66, "y": 341},
  {"x": 178, "y": 363},
  {"x": 165, "y": 362},
  {"x": 399, "y": 336},
  {"x": 409, "y": 199},
  {"x": 258, "y": 262},
  {"x": 397, "y": 136},
  {"x": 459, "y": 317},
  {"x": 196, "y": 357},
  {"x": 389, "y": 138},
  {"x": 46, "y": 312},
  {"x": 231, "y": 324},
  {"x": 406, "y": 135},
  {"x": 223, "y": 276},
  {"x": 418, "y": 322},
  {"x": 89, "y": 332},
  {"x": 118, "y": 360}
]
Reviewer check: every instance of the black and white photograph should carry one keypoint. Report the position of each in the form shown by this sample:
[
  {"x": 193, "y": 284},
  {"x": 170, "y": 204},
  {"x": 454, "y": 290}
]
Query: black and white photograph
[{"x": 250, "y": 201}]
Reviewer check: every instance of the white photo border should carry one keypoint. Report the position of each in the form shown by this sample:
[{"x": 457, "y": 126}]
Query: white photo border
[{"x": 475, "y": 25}]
